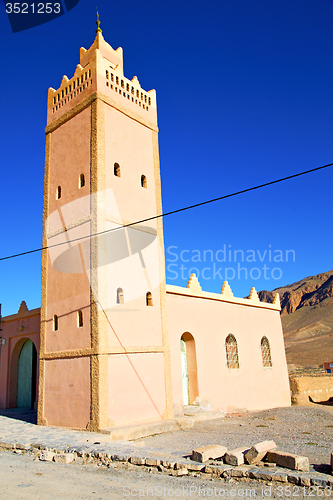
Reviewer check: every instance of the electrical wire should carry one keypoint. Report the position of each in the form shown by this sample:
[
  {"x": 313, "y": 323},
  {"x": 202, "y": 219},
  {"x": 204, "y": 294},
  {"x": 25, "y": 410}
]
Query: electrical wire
[{"x": 172, "y": 212}]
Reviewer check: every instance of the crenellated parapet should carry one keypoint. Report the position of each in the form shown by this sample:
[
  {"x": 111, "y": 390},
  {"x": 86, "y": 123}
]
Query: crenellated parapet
[
  {"x": 193, "y": 284},
  {"x": 193, "y": 289},
  {"x": 101, "y": 69}
]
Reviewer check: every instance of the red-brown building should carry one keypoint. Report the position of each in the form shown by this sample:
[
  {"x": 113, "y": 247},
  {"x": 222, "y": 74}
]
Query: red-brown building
[{"x": 19, "y": 354}]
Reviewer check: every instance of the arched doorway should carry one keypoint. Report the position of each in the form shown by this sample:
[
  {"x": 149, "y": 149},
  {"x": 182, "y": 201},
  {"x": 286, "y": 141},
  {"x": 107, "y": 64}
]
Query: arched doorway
[
  {"x": 189, "y": 368},
  {"x": 26, "y": 376}
]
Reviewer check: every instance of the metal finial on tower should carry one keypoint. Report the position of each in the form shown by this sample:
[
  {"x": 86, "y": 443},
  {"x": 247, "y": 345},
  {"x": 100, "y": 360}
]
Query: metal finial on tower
[{"x": 98, "y": 22}]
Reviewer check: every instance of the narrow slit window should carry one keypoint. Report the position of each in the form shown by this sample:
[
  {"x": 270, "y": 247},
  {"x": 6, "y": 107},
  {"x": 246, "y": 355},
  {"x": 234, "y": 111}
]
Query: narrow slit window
[
  {"x": 55, "y": 323},
  {"x": 266, "y": 353},
  {"x": 120, "y": 296},
  {"x": 143, "y": 181},
  {"x": 79, "y": 318},
  {"x": 149, "y": 299},
  {"x": 116, "y": 170},
  {"x": 231, "y": 352},
  {"x": 58, "y": 193},
  {"x": 107, "y": 74},
  {"x": 82, "y": 181}
]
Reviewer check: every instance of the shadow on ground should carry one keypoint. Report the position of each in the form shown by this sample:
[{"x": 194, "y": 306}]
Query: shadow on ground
[{"x": 23, "y": 414}]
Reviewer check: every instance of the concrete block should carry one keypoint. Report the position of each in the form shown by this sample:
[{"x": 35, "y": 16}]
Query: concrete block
[
  {"x": 238, "y": 472},
  {"x": 258, "y": 451},
  {"x": 216, "y": 469},
  {"x": 319, "y": 480},
  {"x": 8, "y": 446},
  {"x": 282, "y": 477},
  {"x": 137, "y": 460},
  {"x": 294, "y": 477},
  {"x": 64, "y": 458},
  {"x": 265, "y": 476},
  {"x": 169, "y": 464},
  {"x": 235, "y": 457},
  {"x": 120, "y": 457},
  {"x": 289, "y": 460},
  {"x": 305, "y": 480},
  {"x": 179, "y": 472},
  {"x": 20, "y": 446},
  {"x": 195, "y": 466},
  {"x": 46, "y": 456},
  {"x": 209, "y": 452},
  {"x": 153, "y": 462}
]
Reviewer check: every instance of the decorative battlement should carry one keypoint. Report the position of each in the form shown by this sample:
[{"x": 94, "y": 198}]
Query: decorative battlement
[
  {"x": 69, "y": 88},
  {"x": 193, "y": 289},
  {"x": 101, "y": 68}
]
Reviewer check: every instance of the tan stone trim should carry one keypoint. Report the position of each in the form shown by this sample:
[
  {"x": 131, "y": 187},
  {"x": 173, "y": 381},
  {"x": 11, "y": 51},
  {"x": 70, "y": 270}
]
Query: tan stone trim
[
  {"x": 16, "y": 317},
  {"x": 23, "y": 334},
  {"x": 168, "y": 413},
  {"x": 87, "y": 102},
  {"x": 178, "y": 290},
  {"x": 40, "y": 410},
  {"x": 81, "y": 353},
  {"x": 94, "y": 364},
  {"x": 74, "y": 224}
]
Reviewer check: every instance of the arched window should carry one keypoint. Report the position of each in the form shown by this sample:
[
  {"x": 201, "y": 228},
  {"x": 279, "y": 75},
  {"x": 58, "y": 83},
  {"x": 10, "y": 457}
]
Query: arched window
[
  {"x": 120, "y": 296},
  {"x": 143, "y": 181},
  {"x": 116, "y": 169},
  {"x": 58, "y": 194},
  {"x": 231, "y": 351},
  {"x": 55, "y": 323},
  {"x": 149, "y": 299},
  {"x": 79, "y": 318},
  {"x": 82, "y": 181},
  {"x": 266, "y": 353}
]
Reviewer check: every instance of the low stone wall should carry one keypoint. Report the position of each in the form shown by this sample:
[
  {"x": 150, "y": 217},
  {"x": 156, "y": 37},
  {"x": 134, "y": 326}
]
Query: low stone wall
[{"x": 317, "y": 387}]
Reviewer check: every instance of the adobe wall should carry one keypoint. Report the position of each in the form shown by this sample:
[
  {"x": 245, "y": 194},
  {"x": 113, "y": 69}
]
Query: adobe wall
[
  {"x": 317, "y": 387},
  {"x": 16, "y": 329},
  {"x": 210, "y": 318}
]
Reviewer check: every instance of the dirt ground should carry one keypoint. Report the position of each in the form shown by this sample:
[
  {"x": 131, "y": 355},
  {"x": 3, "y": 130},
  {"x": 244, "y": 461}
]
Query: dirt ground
[
  {"x": 22, "y": 478},
  {"x": 302, "y": 430}
]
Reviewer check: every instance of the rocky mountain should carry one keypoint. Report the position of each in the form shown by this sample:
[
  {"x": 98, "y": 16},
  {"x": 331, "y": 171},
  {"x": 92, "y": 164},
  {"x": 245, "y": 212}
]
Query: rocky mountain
[{"x": 307, "y": 319}]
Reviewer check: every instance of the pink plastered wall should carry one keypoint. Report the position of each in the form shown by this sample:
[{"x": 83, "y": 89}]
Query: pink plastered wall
[
  {"x": 136, "y": 387},
  {"x": 252, "y": 386},
  {"x": 67, "y": 392}
]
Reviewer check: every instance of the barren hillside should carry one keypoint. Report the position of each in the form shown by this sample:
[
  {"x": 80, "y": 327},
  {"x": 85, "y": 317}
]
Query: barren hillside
[{"x": 307, "y": 319}]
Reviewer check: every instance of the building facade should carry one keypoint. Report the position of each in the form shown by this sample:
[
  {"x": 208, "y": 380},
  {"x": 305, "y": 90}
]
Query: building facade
[{"x": 117, "y": 345}]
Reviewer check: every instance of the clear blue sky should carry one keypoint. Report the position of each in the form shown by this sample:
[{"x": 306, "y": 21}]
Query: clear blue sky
[{"x": 244, "y": 93}]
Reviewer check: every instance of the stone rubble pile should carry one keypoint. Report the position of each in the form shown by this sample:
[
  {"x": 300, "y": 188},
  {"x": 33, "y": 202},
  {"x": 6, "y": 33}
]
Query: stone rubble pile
[{"x": 261, "y": 452}]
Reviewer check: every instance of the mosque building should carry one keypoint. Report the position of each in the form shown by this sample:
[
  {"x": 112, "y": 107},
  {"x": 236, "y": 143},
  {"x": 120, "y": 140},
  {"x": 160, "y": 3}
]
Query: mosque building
[{"x": 112, "y": 343}]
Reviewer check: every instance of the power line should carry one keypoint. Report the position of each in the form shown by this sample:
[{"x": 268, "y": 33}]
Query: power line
[{"x": 172, "y": 212}]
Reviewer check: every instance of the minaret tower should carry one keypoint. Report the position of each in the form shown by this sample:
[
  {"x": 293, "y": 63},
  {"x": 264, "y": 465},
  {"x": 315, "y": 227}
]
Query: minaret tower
[{"x": 104, "y": 356}]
